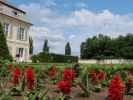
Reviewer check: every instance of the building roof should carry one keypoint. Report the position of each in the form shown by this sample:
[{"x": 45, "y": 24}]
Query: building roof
[
  {"x": 11, "y": 6},
  {"x": 25, "y": 21}
]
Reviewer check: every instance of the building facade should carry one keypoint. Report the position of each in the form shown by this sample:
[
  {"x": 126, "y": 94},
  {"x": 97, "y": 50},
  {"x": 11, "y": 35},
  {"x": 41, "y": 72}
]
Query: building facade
[{"x": 16, "y": 28}]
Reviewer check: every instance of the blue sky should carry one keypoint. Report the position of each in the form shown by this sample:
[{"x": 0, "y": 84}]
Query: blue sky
[
  {"x": 60, "y": 21},
  {"x": 116, "y": 6}
]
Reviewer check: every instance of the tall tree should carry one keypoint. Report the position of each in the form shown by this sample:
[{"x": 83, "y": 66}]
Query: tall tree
[
  {"x": 31, "y": 45},
  {"x": 102, "y": 47},
  {"x": 46, "y": 47},
  {"x": 68, "y": 49},
  {"x": 4, "y": 51}
]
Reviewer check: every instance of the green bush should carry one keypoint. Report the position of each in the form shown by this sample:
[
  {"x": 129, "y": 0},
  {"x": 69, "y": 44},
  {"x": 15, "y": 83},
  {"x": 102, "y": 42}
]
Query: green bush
[
  {"x": 54, "y": 58},
  {"x": 4, "y": 51}
]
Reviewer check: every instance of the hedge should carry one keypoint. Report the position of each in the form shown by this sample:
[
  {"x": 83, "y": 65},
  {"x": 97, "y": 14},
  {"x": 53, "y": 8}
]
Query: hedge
[{"x": 53, "y": 58}]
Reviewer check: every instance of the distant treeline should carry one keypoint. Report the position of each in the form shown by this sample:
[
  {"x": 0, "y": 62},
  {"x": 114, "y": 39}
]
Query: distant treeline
[
  {"x": 43, "y": 57},
  {"x": 105, "y": 47}
]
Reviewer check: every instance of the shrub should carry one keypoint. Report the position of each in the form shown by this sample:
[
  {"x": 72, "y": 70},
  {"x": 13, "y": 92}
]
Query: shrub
[
  {"x": 4, "y": 51},
  {"x": 52, "y": 58}
]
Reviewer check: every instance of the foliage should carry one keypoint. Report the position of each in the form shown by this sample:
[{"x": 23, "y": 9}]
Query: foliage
[
  {"x": 34, "y": 58},
  {"x": 36, "y": 95},
  {"x": 54, "y": 58},
  {"x": 4, "y": 51},
  {"x": 46, "y": 47},
  {"x": 68, "y": 49},
  {"x": 31, "y": 45},
  {"x": 105, "y": 47},
  {"x": 84, "y": 83},
  {"x": 38, "y": 79},
  {"x": 129, "y": 84}
]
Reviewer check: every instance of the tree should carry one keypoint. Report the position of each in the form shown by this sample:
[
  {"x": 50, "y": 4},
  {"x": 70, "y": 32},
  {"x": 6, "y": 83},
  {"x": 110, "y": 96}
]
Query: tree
[
  {"x": 31, "y": 45},
  {"x": 68, "y": 49},
  {"x": 46, "y": 47},
  {"x": 105, "y": 47},
  {"x": 84, "y": 52},
  {"x": 4, "y": 51}
]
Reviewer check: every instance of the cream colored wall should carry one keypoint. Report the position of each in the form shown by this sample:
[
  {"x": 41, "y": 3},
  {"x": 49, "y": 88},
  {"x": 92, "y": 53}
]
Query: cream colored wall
[
  {"x": 106, "y": 61},
  {"x": 15, "y": 45},
  {"x": 12, "y": 42}
]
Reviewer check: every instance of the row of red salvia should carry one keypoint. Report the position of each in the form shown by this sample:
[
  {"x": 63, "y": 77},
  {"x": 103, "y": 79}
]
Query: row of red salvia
[
  {"x": 115, "y": 90},
  {"x": 116, "y": 85},
  {"x": 97, "y": 76},
  {"x": 64, "y": 85},
  {"x": 17, "y": 73}
]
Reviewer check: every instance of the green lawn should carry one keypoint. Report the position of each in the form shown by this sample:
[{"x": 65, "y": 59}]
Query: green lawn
[
  {"x": 62, "y": 65},
  {"x": 47, "y": 65}
]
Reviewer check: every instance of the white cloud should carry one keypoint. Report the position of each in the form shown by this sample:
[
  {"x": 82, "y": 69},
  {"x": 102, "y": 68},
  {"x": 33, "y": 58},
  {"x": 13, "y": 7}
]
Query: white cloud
[
  {"x": 74, "y": 27},
  {"x": 41, "y": 33}
]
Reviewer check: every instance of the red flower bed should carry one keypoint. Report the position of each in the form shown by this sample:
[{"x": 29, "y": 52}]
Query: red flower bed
[
  {"x": 52, "y": 72},
  {"x": 68, "y": 74},
  {"x": 64, "y": 86},
  {"x": 116, "y": 89},
  {"x": 95, "y": 76},
  {"x": 130, "y": 81},
  {"x": 101, "y": 75},
  {"x": 29, "y": 77},
  {"x": 16, "y": 75}
]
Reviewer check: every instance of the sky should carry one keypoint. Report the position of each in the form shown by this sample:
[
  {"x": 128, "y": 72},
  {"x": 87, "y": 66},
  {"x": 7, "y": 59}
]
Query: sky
[{"x": 62, "y": 21}]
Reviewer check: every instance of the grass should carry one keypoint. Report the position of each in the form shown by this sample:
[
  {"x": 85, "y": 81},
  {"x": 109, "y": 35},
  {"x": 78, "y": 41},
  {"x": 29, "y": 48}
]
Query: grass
[
  {"x": 47, "y": 65},
  {"x": 62, "y": 65}
]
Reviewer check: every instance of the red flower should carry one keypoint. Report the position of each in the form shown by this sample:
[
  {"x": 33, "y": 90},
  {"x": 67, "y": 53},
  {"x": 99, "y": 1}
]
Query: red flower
[
  {"x": 16, "y": 75},
  {"x": 116, "y": 89},
  {"x": 52, "y": 72},
  {"x": 29, "y": 77},
  {"x": 93, "y": 76},
  {"x": 130, "y": 81},
  {"x": 101, "y": 75},
  {"x": 68, "y": 74},
  {"x": 64, "y": 86}
]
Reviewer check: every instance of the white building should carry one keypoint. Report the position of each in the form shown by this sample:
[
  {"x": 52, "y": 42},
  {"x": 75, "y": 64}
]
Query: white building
[{"x": 16, "y": 28}]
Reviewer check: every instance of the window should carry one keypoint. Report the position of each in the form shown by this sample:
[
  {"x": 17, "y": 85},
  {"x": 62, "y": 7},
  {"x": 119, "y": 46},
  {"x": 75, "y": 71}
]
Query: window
[
  {"x": 6, "y": 29},
  {"x": 21, "y": 34},
  {"x": 19, "y": 52},
  {"x": 15, "y": 13}
]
